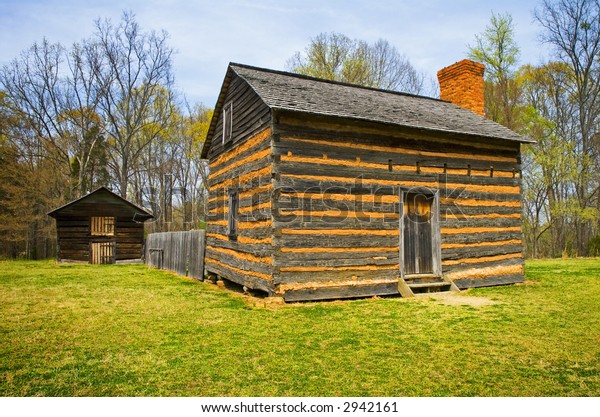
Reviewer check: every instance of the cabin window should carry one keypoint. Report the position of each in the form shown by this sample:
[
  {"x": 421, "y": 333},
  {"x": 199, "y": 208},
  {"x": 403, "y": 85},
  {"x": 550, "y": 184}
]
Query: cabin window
[
  {"x": 228, "y": 122},
  {"x": 232, "y": 216},
  {"x": 102, "y": 226}
]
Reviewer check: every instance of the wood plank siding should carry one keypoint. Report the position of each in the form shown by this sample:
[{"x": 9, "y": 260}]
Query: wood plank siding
[
  {"x": 244, "y": 167},
  {"x": 336, "y": 213}
]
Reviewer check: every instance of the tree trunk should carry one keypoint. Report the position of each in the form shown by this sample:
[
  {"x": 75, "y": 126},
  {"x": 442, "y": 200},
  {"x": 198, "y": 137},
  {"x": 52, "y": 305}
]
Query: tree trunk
[{"x": 123, "y": 174}]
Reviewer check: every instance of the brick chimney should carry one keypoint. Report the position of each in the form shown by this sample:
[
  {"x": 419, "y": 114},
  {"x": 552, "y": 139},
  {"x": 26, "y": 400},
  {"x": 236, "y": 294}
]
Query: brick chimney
[{"x": 462, "y": 84}]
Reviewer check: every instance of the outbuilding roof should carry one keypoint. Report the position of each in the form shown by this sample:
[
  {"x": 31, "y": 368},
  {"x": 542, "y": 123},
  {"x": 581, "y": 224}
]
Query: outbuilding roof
[
  {"x": 102, "y": 200},
  {"x": 298, "y": 93}
]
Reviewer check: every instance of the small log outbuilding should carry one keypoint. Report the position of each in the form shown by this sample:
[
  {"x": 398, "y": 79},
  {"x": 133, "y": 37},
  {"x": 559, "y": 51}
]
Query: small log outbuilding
[
  {"x": 320, "y": 189},
  {"x": 100, "y": 228}
]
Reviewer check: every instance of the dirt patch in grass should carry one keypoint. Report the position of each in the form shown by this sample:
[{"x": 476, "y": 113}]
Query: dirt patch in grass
[
  {"x": 527, "y": 283},
  {"x": 453, "y": 299}
]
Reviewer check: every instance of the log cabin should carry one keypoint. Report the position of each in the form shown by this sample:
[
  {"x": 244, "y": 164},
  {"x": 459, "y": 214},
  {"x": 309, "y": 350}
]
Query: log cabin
[
  {"x": 322, "y": 190},
  {"x": 100, "y": 228}
]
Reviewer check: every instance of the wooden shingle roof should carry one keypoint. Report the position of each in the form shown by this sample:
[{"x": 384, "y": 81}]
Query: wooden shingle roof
[{"x": 293, "y": 92}]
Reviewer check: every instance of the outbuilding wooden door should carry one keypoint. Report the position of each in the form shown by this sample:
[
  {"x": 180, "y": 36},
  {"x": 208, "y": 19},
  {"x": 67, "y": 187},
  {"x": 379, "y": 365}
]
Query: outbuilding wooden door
[
  {"x": 102, "y": 247},
  {"x": 417, "y": 234},
  {"x": 102, "y": 252}
]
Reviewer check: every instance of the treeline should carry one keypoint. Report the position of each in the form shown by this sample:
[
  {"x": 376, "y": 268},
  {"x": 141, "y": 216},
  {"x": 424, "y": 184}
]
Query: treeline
[
  {"x": 334, "y": 56},
  {"x": 105, "y": 112},
  {"x": 101, "y": 112},
  {"x": 556, "y": 103}
]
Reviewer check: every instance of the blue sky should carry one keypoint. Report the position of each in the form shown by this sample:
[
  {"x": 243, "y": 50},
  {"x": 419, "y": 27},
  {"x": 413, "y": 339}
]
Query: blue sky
[{"x": 209, "y": 34}]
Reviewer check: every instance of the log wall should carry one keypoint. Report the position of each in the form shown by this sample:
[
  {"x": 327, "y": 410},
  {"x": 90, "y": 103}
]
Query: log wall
[
  {"x": 243, "y": 166},
  {"x": 129, "y": 239},
  {"x": 75, "y": 238},
  {"x": 336, "y": 205}
]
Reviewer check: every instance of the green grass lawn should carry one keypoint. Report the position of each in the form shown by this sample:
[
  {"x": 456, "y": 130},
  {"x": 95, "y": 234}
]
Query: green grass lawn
[{"x": 116, "y": 330}]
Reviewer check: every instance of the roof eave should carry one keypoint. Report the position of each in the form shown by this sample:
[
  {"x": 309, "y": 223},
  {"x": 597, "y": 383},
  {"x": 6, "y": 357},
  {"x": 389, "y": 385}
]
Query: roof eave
[{"x": 144, "y": 213}]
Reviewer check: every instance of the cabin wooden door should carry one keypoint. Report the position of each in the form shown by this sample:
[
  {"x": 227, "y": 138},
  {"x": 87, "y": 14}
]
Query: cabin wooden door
[{"x": 417, "y": 234}]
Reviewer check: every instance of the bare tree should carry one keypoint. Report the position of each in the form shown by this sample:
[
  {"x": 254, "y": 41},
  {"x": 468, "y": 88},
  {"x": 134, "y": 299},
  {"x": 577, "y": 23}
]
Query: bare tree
[
  {"x": 392, "y": 70},
  {"x": 34, "y": 90},
  {"x": 172, "y": 175},
  {"x": 56, "y": 92},
  {"x": 572, "y": 27},
  {"x": 72, "y": 119},
  {"x": 336, "y": 57},
  {"x": 31, "y": 176},
  {"x": 137, "y": 100},
  {"x": 191, "y": 169},
  {"x": 551, "y": 165},
  {"x": 82, "y": 94}
]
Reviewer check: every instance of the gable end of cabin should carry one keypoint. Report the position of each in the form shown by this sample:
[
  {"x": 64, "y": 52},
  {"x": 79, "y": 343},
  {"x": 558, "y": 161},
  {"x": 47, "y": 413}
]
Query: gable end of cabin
[{"x": 239, "y": 229}]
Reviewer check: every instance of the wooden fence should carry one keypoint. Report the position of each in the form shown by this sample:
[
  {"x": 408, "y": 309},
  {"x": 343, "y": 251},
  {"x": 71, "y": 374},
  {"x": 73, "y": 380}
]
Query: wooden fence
[{"x": 180, "y": 252}]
